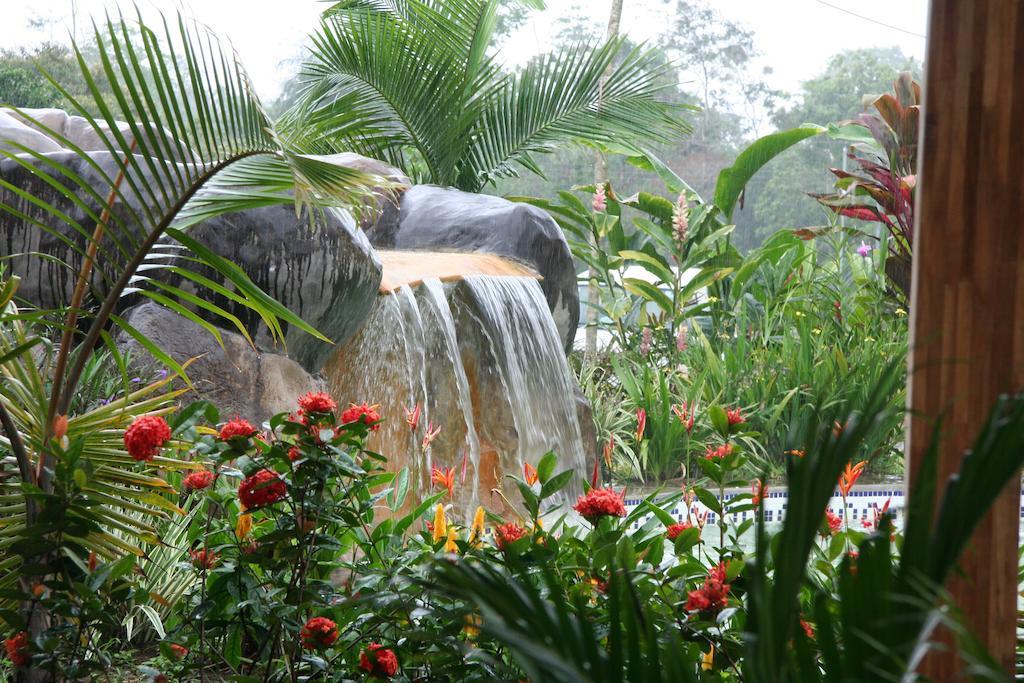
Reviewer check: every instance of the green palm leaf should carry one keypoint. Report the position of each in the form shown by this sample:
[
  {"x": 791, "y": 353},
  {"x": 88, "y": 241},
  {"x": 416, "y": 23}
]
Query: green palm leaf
[{"x": 414, "y": 82}]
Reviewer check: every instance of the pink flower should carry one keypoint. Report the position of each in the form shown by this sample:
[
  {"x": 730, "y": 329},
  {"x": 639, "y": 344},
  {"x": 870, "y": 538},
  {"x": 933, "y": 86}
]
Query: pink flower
[
  {"x": 645, "y": 341},
  {"x": 598, "y": 202},
  {"x": 864, "y": 250},
  {"x": 681, "y": 338},
  {"x": 412, "y": 416},
  {"x": 431, "y": 434},
  {"x": 679, "y": 219}
]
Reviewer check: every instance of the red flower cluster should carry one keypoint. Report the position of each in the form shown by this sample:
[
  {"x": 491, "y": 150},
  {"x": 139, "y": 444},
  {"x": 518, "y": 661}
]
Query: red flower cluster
[
  {"x": 146, "y": 436},
  {"x": 263, "y": 488},
  {"x": 179, "y": 651},
  {"x": 713, "y": 596},
  {"x": 319, "y": 633},
  {"x": 204, "y": 559},
  {"x": 294, "y": 453},
  {"x": 808, "y": 629},
  {"x": 598, "y": 503},
  {"x": 507, "y": 534},
  {"x": 719, "y": 453},
  {"x": 317, "y": 402},
  {"x": 362, "y": 413},
  {"x": 673, "y": 530},
  {"x": 835, "y": 522},
  {"x": 734, "y": 416},
  {"x": 237, "y": 428},
  {"x": 378, "y": 661},
  {"x": 17, "y": 649},
  {"x": 758, "y": 491},
  {"x": 198, "y": 480}
]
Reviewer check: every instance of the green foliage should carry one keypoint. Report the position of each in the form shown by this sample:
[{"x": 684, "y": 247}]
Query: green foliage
[
  {"x": 415, "y": 84},
  {"x": 24, "y": 85}
]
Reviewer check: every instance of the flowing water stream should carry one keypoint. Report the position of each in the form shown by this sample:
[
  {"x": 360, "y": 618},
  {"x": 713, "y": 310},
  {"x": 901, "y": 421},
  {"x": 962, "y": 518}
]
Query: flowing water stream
[{"x": 483, "y": 359}]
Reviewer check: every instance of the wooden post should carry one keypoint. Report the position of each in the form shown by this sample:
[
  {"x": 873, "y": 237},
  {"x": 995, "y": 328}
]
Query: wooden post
[{"x": 967, "y": 299}]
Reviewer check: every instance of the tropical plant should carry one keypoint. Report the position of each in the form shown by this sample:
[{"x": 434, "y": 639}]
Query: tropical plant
[
  {"x": 857, "y": 609},
  {"x": 198, "y": 145},
  {"x": 416, "y": 83},
  {"x": 884, "y": 147}
]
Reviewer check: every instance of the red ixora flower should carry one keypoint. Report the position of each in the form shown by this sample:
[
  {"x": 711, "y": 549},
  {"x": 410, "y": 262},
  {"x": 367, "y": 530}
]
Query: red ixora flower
[
  {"x": 364, "y": 413},
  {"x": 598, "y": 503},
  {"x": 673, "y": 530},
  {"x": 317, "y": 402},
  {"x": 179, "y": 651},
  {"x": 319, "y": 633},
  {"x": 719, "y": 453},
  {"x": 835, "y": 522},
  {"x": 198, "y": 480},
  {"x": 506, "y": 534},
  {"x": 710, "y": 598},
  {"x": 378, "y": 661},
  {"x": 18, "y": 649},
  {"x": 734, "y": 416},
  {"x": 237, "y": 428},
  {"x": 808, "y": 629},
  {"x": 203, "y": 559},
  {"x": 146, "y": 436},
  {"x": 294, "y": 453},
  {"x": 263, "y": 488}
]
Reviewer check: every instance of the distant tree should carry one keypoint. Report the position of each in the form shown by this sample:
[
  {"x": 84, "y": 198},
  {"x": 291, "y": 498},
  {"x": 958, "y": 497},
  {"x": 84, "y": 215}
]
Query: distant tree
[
  {"x": 22, "y": 83},
  {"x": 779, "y": 200}
]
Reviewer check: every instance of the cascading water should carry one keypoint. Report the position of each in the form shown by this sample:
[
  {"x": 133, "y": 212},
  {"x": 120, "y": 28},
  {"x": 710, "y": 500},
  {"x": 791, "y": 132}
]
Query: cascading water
[
  {"x": 514, "y": 316},
  {"x": 483, "y": 359}
]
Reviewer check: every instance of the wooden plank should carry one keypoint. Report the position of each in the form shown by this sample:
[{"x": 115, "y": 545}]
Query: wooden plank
[
  {"x": 410, "y": 268},
  {"x": 967, "y": 299}
]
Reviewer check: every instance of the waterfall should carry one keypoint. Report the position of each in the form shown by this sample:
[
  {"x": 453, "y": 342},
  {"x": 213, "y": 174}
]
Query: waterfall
[
  {"x": 483, "y": 358},
  {"x": 539, "y": 384}
]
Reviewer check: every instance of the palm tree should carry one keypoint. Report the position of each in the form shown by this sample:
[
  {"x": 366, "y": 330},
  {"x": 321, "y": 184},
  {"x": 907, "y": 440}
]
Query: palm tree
[
  {"x": 415, "y": 82},
  {"x": 199, "y": 145}
]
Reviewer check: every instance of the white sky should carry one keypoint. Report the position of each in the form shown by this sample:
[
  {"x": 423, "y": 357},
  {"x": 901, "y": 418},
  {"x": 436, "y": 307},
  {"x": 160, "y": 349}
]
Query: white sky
[{"x": 796, "y": 37}]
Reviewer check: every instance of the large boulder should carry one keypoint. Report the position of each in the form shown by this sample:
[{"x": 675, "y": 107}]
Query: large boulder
[
  {"x": 445, "y": 219},
  {"x": 323, "y": 270},
  {"x": 237, "y": 378}
]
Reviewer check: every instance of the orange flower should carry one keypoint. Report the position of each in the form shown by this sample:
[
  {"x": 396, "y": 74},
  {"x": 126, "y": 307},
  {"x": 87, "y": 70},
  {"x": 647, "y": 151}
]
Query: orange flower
[
  {"x": 850, "y": 476},
  {"x": 529, "y": 473},
  {"x": 641, "y": 423},
  {"x": 431, "y": 434},
  {"x": 609, "y": 448},
  {"x": 685, "y": 415},
  {"x": 444, "y": 478},
  {"x": 796, "y": 453},
  {"x": 412, "y": 417}
]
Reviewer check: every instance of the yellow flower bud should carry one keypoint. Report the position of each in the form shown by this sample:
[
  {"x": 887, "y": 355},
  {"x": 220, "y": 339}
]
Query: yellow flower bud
[
  {"x": 476, "y": 530},
  {"x": 450, "y": 545},
  {"x": 244, "y": 524},
  {"x": 440, "y": 523}
]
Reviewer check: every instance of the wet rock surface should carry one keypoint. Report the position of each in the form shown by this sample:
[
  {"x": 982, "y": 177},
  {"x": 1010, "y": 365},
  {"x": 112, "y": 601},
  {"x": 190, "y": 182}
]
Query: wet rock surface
[
  {"x": 324, "y": 270},
  {"x": 440, "y": 219},
  {"x": 238, "y": 379}
]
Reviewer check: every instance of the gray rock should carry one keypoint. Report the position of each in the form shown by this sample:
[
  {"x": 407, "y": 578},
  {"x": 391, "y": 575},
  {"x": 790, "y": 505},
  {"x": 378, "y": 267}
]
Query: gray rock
[
  {"x": 436, "y": 218},
  {"x": 325, "y": 271},
  {"x": 238, "y": 379}
]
